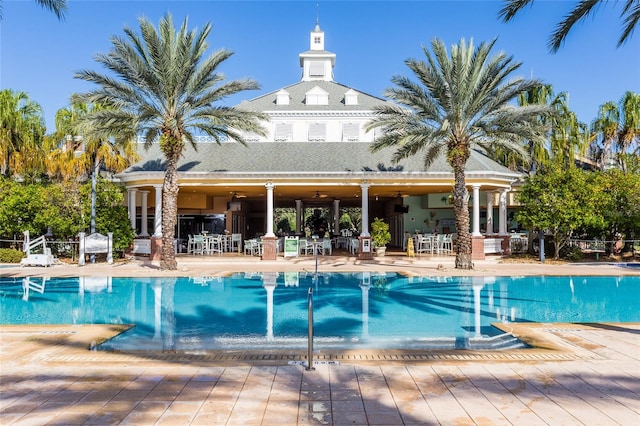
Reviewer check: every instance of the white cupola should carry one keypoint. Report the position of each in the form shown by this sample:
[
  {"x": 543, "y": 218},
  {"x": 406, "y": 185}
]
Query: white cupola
[{"x": 317, "y": 63}]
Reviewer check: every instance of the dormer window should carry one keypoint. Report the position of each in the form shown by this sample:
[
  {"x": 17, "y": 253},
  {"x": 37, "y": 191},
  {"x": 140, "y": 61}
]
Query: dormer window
[
  {"x": 316, "y": 96},
  {"x": 282, "y": 97},
  {"x": 351, "y": 97}
]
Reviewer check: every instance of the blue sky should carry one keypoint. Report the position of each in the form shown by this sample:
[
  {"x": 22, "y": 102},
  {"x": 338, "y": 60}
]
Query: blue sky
[{"x": 372, "y": 39}]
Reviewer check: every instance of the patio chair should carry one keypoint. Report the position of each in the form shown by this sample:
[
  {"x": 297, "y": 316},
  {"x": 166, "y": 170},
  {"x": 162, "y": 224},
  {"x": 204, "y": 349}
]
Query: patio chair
[
  {"x": 251, "y": 247},
  {"x": 304, "y": 247},
  {"x": 236, "y": 242},
  {"x": 198, "y": 244},
  {"x": 326, "y": 246},
  {"x": 215, "y": 244}
]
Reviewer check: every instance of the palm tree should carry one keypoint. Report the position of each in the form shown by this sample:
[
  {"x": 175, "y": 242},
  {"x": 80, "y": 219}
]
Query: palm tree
[
  {"x": 22, "y": 130},
  {"x": 162, "y": 88},
  {"x": 629, "y": 138},
  {"x": 617, "y": 129},
  {"x": 606, "y": 126},
  {"x": 460, "y": 103},
  {"x": 570, "y": 137},
  {"x": 583, "y": 8},
  {"x": 95, "y": 151},
  {"x": 58, "y": 7}
]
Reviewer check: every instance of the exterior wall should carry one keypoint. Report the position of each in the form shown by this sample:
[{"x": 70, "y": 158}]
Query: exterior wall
[{"x": 300, "y": 125}]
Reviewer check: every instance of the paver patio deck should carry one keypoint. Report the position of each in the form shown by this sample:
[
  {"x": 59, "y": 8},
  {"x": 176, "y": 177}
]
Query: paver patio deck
[{"x": 584, "y": 374}]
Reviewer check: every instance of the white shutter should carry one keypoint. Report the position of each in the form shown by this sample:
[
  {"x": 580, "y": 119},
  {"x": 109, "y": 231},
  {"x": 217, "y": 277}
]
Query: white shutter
[
  {"x": 350, "y": 132},
  {"x": 316, "y": 69},
  {"x": 284, "y": 132},
  {"x": 317, "y": 131}
]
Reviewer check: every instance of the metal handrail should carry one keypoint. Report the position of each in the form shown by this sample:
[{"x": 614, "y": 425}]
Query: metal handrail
[{"x": 310, "y": 366}]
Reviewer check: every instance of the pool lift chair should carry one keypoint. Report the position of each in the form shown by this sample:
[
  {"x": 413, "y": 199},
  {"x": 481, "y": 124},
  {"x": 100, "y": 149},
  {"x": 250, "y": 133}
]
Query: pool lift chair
[{"x": 36, "y": 259}]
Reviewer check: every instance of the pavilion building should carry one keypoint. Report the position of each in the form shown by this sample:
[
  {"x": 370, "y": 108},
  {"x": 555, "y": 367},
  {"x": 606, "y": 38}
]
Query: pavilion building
[{"x": 316, "y": 154}]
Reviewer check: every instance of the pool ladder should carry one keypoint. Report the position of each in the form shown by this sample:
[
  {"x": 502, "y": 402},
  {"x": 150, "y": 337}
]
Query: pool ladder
[{"x": 310, "y": 366}]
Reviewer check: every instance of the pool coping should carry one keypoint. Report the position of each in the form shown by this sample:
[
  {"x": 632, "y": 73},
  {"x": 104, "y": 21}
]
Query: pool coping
[{"x": 63, "y": 344}]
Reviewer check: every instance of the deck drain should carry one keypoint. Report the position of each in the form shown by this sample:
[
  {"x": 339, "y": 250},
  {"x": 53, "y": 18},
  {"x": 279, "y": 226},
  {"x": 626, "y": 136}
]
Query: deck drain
[{"x": 315, "y": 363}]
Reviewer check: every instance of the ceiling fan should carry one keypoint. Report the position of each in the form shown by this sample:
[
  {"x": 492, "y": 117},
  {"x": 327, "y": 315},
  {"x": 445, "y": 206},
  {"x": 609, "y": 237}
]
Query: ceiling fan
[
  {"x": 236, "y": 195},
  {"x": 319, "y": 195}
]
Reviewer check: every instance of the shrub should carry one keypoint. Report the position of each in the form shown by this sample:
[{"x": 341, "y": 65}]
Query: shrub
[
  {"x": 572, "y": 253},
  {"x": 10, "y": 255},
  {"x": 380, "y": 233}
]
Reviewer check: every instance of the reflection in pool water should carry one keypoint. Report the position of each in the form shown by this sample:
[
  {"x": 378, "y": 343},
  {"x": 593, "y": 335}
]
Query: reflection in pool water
[{"x": 269, "y": 310}]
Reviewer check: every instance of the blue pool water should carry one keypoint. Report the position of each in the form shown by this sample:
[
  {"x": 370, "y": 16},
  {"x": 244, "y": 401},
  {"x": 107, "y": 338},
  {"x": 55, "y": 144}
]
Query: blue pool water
[{"x": 350, "y": 309}]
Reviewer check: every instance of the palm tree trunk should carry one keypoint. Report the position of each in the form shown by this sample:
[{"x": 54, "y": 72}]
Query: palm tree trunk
[
  {"x": 461, "y": 209},
  {"x": 169, "y": 214},
  {"x": 94, "y": 189}
]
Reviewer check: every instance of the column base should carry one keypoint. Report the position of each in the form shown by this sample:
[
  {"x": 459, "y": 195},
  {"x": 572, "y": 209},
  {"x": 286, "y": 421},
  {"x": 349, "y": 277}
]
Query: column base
[
  {"x": 477, "y": 248},
  {"x": 156, "y": 248},
  {"x": 365, "y": 248},
  {"x": 269, "y": 249}
]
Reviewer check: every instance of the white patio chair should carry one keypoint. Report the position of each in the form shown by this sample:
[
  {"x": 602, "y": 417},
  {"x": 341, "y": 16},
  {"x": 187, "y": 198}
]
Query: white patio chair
[
  {"x": 236, "y": 242},
  {"x": 304, "y": 247},
  {"x": 424, "y": 244},
  {"x": 251, "y": 247},
  {"x": 447, "y": 244},
  {"x": 326, "y": 246},
  {"x": 215, "y": 244},
  {"x": 198, "y": 244}
]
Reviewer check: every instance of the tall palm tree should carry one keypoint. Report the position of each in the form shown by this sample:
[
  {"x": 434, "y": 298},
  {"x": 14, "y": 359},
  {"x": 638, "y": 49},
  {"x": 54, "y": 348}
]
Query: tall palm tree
[
  {"x": 86, "y": 152},
  {"x": 162, "y": 88},
  {"x": 606, "y": 127},
  {"x": 459, "y": 103},
  {"x": 58, "y": 7},
  {"x": 616, "y": 130},
  {"x": 21, "y": 133},
  {"x": 629, "y": 138},
  {"x": 570, "y": 137},
  {"x": 582, "y": 9}
]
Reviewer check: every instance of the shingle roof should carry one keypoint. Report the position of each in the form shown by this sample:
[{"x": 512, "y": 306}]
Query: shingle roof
[
  {"x": 297, "y": 99},
  {"x": 317, "y": 157}
]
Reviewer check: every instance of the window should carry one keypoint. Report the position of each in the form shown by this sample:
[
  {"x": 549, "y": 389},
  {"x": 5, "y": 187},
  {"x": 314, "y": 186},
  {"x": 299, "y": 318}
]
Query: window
[
  {"x": 317, "y": 132},
  {"x": 317, "y": 40},
  {"x": 316, "y": 69},
  {"x": 351, "y": 97},
  {"x": 316, "y": 96},
  {"x": 350, "y": 132},
  {"x": 250, "y": 137},
  {"x": 282, "y": 97},
  {"x": 284, "y": 132}
]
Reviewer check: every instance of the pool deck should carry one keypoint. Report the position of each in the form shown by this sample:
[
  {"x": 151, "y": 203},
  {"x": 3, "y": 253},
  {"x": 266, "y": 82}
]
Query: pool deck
[{"x": 578, "y": 374}]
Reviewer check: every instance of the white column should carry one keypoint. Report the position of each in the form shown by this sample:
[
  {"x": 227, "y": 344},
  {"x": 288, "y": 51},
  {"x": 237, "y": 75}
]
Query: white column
[
  {"x": 269, "y": 232},
  {"x": 365, "y": 208},
  {"x": 490, "y": 213},
  {"x": 270, "y": 285},
  {"x": 476, "y": 211},
  {"x": 143, "y": 220},
  {"x": 365, "y": 286},
  {"x": 336, "y": 217},
  {"x": 299, "y": 229},
  {"x": 478, "y": 283},
  {"x": 502, "y": 214},
  {"x": 132, "y": 208},
  {"x": 157, "y": 222}
]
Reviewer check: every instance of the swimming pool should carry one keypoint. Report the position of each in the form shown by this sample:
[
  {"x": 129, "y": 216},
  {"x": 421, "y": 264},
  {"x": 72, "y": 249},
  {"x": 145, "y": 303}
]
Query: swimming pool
[{"x": 269, "y": 310}]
